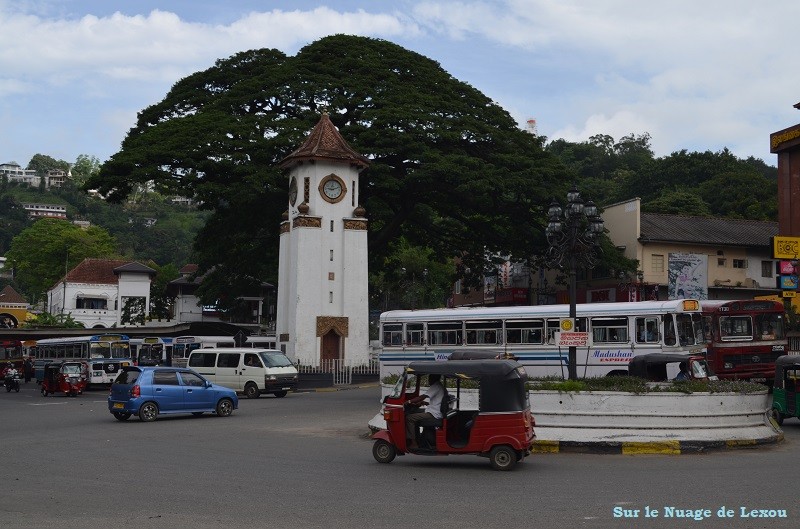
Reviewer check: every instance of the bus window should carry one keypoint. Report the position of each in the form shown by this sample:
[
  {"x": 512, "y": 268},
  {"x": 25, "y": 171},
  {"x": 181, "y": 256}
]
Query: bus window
[
  {"x": 647, "y": 330},
  {"x": 445, "y": 333},
  {"x": 770, "y": 326},
  {"x": 393, "y": 334},
  {"x": 524, "y": 331},
  {"x": 414, "y": 333},
  {"x": 686, "y": 329},
  {"x": 483, "y": 332},
  {"x": 669, "y": 330},
  {"x": 610, "y": 330},
  {"x": 733, "y": 328}
]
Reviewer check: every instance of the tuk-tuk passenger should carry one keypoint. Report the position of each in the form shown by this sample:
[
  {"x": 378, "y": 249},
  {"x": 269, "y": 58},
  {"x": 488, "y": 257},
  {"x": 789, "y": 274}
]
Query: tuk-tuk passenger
[{"x": 433, "y": 410}]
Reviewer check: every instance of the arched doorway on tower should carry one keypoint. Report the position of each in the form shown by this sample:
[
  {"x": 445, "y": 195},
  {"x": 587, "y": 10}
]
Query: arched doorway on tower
[{"x": 331, "y": 346}]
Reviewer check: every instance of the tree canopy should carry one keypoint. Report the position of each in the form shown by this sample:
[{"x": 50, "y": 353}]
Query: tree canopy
[
  {"x": 42, "y": 253},
  {"x": 450, "y": 169}
]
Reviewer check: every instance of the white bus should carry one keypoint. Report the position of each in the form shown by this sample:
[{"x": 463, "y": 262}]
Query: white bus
[
  {"x": 182, "y": 346},
  {"x": 152, "y": 351},
  {"x": 105, "y": 354},
  {"x": 616, "y": 333},
  {"x": 261, "y": 342}
]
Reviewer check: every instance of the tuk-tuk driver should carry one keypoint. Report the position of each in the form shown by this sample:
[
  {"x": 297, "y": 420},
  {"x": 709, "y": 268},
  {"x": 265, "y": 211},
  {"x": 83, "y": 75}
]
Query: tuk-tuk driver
[
  {"x": 433, "y": 410},
  {"x": 683, "y": 374}
]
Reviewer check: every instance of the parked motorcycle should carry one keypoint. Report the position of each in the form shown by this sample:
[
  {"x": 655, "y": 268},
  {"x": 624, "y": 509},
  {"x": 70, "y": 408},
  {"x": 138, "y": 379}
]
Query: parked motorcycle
[{"x": 12, "y": 382}]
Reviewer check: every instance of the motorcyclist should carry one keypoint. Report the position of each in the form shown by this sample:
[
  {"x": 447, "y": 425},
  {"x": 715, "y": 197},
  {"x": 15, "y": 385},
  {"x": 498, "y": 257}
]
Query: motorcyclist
[{"x": 11, "y": 375}]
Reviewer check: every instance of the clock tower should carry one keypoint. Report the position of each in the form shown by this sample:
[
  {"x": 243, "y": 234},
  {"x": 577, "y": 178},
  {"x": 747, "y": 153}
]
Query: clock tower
[{"x": 322, "y": 311}]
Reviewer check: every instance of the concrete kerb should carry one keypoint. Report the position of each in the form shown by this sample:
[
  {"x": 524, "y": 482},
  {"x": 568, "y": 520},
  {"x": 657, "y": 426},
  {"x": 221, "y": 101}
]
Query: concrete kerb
[
  {"x": 666, "y": 447},
  {"x": 330, "y": 389}
]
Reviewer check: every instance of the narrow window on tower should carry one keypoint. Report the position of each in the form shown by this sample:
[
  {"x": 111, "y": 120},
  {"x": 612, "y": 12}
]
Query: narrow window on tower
[
  {"x": 331, "y": 255},
  {"x": 353, "y": 194},
  {"x": 331, "y": 226},
  {"x": 330, "y": 297}
]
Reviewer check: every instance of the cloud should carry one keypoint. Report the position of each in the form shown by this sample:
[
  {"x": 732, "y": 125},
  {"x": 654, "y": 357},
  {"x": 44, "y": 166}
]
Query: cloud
[
  {"x": 688, "y": 72},
  {"x": 161, "y": 46}
]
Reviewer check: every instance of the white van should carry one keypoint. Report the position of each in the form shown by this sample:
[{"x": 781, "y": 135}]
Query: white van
[{"x": 251, "y": 371}]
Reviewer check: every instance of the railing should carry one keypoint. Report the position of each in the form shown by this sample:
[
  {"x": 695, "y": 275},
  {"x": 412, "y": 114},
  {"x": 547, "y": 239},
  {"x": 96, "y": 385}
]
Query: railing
[
  {"x": 340, "y": 372},
  {"x": 794, "y": 343}
]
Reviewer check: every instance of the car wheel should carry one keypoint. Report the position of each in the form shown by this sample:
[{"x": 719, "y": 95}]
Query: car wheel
[
  {"x": 280, "y": 394},
  {"x": 148, "y": 411},
  {"x": 383, "y": 451},
  {"x": 224, "y": 407},
  {"x": 778, "y": 416},
  {"x": 197, "y": 413},
  {"x": 251, "y": 391},
  {"x": 121, "y": 415},
  {"x": 502, "y": 458}
]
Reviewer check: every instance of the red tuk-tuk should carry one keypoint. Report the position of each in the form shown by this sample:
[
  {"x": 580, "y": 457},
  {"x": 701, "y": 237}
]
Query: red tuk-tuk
[
  {"x": 499, "y": 427},
  {"x": 64, "y": 377}
]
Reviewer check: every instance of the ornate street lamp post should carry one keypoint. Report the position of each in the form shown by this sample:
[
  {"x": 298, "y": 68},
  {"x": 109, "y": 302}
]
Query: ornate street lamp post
[{"x": 573, "y": 236}]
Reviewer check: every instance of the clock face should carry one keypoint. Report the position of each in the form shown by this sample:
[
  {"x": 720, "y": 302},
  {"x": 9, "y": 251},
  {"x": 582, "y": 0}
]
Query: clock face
[
  {"x": 293, "y": 191},
  {"x": 332, "y": 189}
]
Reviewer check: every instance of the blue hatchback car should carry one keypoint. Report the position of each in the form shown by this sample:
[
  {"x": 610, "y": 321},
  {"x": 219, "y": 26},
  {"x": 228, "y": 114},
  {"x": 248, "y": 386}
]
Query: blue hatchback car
[{"x": 151, "y": 391}]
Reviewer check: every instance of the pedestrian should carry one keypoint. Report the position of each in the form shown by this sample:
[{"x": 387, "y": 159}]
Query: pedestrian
[{"x": 28, "y": 369}]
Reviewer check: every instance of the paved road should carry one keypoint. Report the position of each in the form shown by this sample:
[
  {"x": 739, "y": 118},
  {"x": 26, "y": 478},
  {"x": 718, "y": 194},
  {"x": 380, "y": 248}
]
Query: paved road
[{"x": 302, "y": 461}]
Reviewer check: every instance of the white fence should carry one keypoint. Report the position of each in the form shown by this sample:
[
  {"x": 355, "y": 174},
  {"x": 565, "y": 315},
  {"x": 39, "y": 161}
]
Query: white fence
[{"x": 341, "y": 371}]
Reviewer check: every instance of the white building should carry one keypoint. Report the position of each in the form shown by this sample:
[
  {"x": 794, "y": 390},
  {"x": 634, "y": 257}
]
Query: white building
[
  {"x": 97, "y": 291},
  {"x": 15, "y": 173},
  {"x": 322, "y": 310},
  {"x": 49, "y": 211}
]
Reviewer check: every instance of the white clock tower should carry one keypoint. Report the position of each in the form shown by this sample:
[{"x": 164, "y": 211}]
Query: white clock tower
[{"x": 322, "y": 311}]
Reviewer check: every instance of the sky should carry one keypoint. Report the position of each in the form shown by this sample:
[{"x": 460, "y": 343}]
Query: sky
[{"x": 695, "y": 75}]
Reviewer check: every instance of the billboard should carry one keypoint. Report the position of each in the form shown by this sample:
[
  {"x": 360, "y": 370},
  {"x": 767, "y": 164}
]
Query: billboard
[{"x": 688, "y": 276}]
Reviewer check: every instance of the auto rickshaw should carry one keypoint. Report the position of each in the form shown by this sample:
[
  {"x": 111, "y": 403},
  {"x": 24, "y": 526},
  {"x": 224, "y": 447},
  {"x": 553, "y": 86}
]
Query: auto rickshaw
[
  {"x": 662, "y": 367},
  {"x": 66, "y": 377},
  {"x": 501, "y": 428},
  {"x": 784, "y": 392}
]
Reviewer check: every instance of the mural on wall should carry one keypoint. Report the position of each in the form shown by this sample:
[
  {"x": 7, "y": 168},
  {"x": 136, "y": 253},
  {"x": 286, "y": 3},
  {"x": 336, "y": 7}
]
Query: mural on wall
[{"x": 688, "y": 276}]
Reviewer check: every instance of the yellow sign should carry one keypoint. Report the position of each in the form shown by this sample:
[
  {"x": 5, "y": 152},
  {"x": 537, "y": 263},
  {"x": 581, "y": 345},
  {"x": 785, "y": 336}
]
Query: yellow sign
[
  {"x": 566, "y": 324},
  {"x": 785, "y": 247},
  {"x": 789, "y": 293}
]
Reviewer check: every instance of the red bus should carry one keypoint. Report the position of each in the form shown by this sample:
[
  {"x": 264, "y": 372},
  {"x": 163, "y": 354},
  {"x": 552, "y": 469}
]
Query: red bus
[
  {"x": 10, "y": 349},
  {"x": 744, "y": 337}
]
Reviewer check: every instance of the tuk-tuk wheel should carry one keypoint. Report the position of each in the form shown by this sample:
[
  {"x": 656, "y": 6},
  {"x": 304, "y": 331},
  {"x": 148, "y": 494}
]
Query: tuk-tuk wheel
[
  {"x": 502, "y": 458},
  {"x": 383, "y": 452},
  {"x": 44, "y": 392},
  {"x": 778, "y": 416}
]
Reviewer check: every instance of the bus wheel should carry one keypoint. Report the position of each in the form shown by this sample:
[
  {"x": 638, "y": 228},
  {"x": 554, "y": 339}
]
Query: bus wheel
[
  {"x": 502, "y": 458},
  {"x": 778, "y": 416},
  {"x": 148, "y": 412},
  {"x": 383, "y": 452},
  {"x": 251, "y": 391}
]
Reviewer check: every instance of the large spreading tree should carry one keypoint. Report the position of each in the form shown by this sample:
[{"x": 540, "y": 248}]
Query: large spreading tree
[{"x": 450, "y": 170}]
